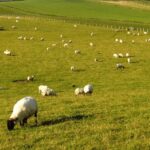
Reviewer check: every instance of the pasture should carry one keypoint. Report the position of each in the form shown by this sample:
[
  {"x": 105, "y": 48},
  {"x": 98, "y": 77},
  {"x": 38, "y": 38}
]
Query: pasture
[{"x": 115, "y": 116}]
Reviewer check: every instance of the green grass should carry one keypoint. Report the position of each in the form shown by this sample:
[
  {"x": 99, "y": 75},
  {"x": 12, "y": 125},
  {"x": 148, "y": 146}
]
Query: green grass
[
  {"x": 82, "y": 9},
  {"x": 116, "y": 116}
]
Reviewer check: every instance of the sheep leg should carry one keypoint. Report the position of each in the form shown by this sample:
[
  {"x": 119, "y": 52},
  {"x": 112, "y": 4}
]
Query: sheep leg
[
  {"x": 25, "y": 120},
  {"x": 35, "y": 115},
  {"x": 21, "y": 123}
]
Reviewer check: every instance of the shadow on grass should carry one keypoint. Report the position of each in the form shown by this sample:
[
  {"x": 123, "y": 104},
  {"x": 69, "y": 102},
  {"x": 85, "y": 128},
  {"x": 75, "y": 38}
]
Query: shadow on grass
[{"x": 64, "y": 119}]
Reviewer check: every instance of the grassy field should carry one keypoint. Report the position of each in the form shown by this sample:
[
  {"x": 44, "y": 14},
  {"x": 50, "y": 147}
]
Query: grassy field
[
  {"x": 83, "y": 9},
  {"x": 115, "y": 117}
]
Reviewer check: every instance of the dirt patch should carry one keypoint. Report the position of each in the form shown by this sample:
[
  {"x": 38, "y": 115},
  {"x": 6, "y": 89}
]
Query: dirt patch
[{"x": 125, "y": 3}]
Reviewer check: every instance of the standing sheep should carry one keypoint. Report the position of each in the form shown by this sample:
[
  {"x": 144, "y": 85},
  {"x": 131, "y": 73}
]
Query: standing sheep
[
  {"x": 88, "y": 89},
  {"x": 22, "y": 110}
]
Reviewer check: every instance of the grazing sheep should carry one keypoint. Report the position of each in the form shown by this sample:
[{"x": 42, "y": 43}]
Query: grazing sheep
[
  {"x": 65, "y": 45},
  {"x": 88, "y": 89},
  {"x": 95, "y": 59},
  {"x": 116, "y": 40},
  {"x": 127, "y": 55},
  {"x": 91, "y": 44},
  {"x": 31, "y": 38},
  {"x": 145, "y": 32},
  {"x": 115, "y": 55},
  {"x": 54, "y": 44},
  {"x": 72, "y": 68},
  {"x": 20, "y": 38},
  {"x": 13, "y": 27},
  {"x": 129, "y": 60},
  {"x": 77, "y": 51},
  {"x": 91, "y": 34},
  {"x": 44, "y": 90},
  {"x": 121, "y": 41},
  {"x": 7, "y": 52},
  {"x": 79, "y": 91},
  {"x": 41, "y": 39},
  {"x": 30, "y": 78},
  {"x": 70, "y": 41},
  {"x": 120, "y": 55},
  {"x": 120, "y": 66},
  {"x": 75, "y": 25},
  {"x": 22, "y": 110}
]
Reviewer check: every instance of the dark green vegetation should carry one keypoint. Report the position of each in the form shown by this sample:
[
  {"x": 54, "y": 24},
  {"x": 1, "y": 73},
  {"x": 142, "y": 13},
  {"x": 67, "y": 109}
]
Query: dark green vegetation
[{"x": 116, "y": 116}]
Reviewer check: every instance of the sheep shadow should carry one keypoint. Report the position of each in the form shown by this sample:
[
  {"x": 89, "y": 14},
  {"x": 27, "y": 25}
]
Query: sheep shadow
[{"x": 64, "y": 119}]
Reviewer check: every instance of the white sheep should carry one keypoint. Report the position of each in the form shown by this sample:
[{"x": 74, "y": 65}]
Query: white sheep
[
  {"x": 35, "y": 28},
  {"x": 92, "y": 33},
  {"x": 88, "y": 89},
  {"x": 41, "y": 39},
  {"x": 121, "y": 41},
  {"x": 95, "y": 59},
  {"x": 22, "y": 110},
  {"x": 61, "y": 36},
  {"x": 77, "y": 51},
  {"x": 72, "y": 68},
  {"x": 116, "y": 40},
  {"x": 20, "y": 38},
  {"x": 30, "y": 78},
  {"x": 44, "y": 90},
  {"x": 65, "y": 45},
  {"x": 31, "y": 38},
  {"x": 120, "y": 55},
  {"x": 54, "y": 44},
  {"x": 7, "y": 52},
  {"x": 120, "y": 66},
  {"x": 91, "y": 44},
  {"x": 75, "y": 25},
  {"x": 13, "y": 27},
  {"x": 115, "y": 55},
  {"x": 127, "y": 55},
  {"x": 79, "y": 91},
  {"x": 129, "y": 60}
]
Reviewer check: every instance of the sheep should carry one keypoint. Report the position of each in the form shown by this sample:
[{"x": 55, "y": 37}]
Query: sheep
[
  {"x": 88, "y": 89},
  {"x": 75, "y": 25},
  {"x": 120, "y": 55},
  {"x": 72, "y": 68},
  {"x": 91, "y": 34},
  {"x": 7, "y": 52},
  {"x": 145, "y": 33},
  {"x": 17, "y": 21},
  {"x": 31, "y": 38},
  {"x": 20, "y": 38},
  {"x": 120, "y": 66},
  {"x": 133, "y": 41},
  {"x": 129, "y": 60},
  {"x": 77, "y": 51},
  {"x": 115, "y": 55},
  {"x": 44, "y": 90},
  {"x": 54, "y": 44},
  {"x": 116, "y": 40},
  {"x": 95, "y": 59},
  {"x": 41, "y": 39},
  {"x": 30, "y": 78},
  {"x": 13, "y": 27},
  {"x": 91, "y": 44},
  {"x": 70, "y": 41},
  {"x": 121, "y": 41},
  {"x": 65, "y": 45},
  {"x": 127, "y": 55},
  {"x": 22, "y": 110},
  {"x": 47, "y": 48},
  {"x": 79, "y": 91}
]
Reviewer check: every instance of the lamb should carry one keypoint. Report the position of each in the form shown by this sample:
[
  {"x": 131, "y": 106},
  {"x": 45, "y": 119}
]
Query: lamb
[
  {"x": 79, "y": 91},
  {"x": 88, "y": 89},
  {"x": 72, "y": 68},
  {"x": 46, "y": 91},
  {"x": 120, "y": 66},
  {"x": 30, "y": 78},
  {"x": 7, "y": 52},
  {"x": 77, "y": 51},
  {"x": 115, "y": 55},
  {"x": 22, "y": 110}
]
